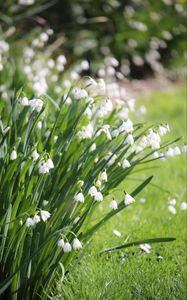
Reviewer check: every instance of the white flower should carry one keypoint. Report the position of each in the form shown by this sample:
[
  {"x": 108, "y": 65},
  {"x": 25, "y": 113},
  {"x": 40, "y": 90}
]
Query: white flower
[
  {"x": 43, "y": 168},
  {"x": 139, "y": 149},
  {"x": 126, "y": 126},
  {"x": 49, "y": 163},
  {"x": 103, "y": 176},
  {"x": 35, "y": 155},
  {"x": 123, "y": 113},
  {"x": 24, "y": 101},
  {"x": 106, "y": 130},
  {"x": 92, "y": 191},
  {"x": 128, "y": 199},
  {"x": 126, "y": 164},
  {"x": 113, "y": 204},
  {"x": 112, "y": 159},
  {"x": 77, "y": 244},
  {"x": 36, "y": 219},
  {"x": 88, "y": 112},
  {"x": 45, "y": 215},
  {"x": 93, "y": 147},
  {"x": 101, "y": 86},
  {"x": 145, "y": 248},
  {"x": 108, "y": 105},
  {"x": 172, "y": 202},
  {"x": 79, "y": 198},
  {"x": 36, "y": 104},
  {"x": 153, "y": 139},
  {"x": 30, "y": 222},
  {"x": 169, "y": 152},
  {"x": 60, "y": 243},
  {"x": 172, "y": 209},
  {"x": 155, "y": 154},
  {"x": 162, "y": 130},
  {"x": 184, "y": 149},
  {"x": 129, "y": 139},
  {"x": 61, "y": 59},
  {"x": 116, "y": 232},
  {"x": 67, "y": 247},
  {"x": 45, "y": 202},
  {"x": 79, "y": 93},
  {"x": 13, "y": 155},
  {"x": 39, "y": 125},
  {"x": 98, "y": 197},
  {"x": 86, "y": 133},
  {"x": 176, "y": 151},
  {"x": 115, "y": 132},
  {"x": 183, "y": 206},
  {"x": 55, "y": 138},
  {"x": 44, "y": 37}
]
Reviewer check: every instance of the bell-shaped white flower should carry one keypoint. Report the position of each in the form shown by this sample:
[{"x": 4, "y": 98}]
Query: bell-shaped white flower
[
  {"x": 67, "y": 247},
  {"x": 169, "y": 152},
  {"x": 36, "y": 219},
  {"x": 24, "y": 101},
  {"x": 79, "y": 198},
  {"x": 101, "y": 86},
  {"x": 87, "y": 132},
  {"x": 153, "y": 138},
  {"x": 35, "y": 155},
  {"x": 176, "y": 151},
  {"x": 30, "y": 222},
  {"x": 115, "y": 133},
  {"x": 60, "y": 243},
  {"x": 98, "y": 197},
  {"x": 45, "y": 215},
  {"x": 112, "y": 159},
  {"x": 43, "y": 168},
  {"x": 117, "y": 233},
  {"x": 172, "y": 202},
  {"x": 49, "y": 163},
  {"x": 13, "y": 155},
  {"x": 145, "y": 248},
  {"x": 113, "y": 204},
  {"x": 93, "y": 147},
  {"x": 79, "y": 93},
  {"x": 77, "y": 244},
  {"x": 45, "y": 202},
  {"x": 126, "y": 126},
  {"x": 92, "y": 191},
  {"x": 183, "y": 206},
  {"x": 126, "y": 164},
  {"x": 103, "y": 176},
  {"x": 129, "y": 139},
  {"x": 184, "y": 149},
  {"x": 36, "y": 104},
  {"x": 39, "y": 125},
  {"x": 106, "y": 130},
  {"x": 128, "y": 199},
  {"x": 172, "y": 209},
  {"x": 162, "y": 130}
]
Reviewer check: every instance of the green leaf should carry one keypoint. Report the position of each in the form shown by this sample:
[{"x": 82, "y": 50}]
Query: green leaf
[{"x": 136, "y": 243}]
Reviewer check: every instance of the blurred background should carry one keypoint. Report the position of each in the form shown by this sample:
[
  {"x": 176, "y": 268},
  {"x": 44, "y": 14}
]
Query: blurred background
[{"x": 127, "y": 39}]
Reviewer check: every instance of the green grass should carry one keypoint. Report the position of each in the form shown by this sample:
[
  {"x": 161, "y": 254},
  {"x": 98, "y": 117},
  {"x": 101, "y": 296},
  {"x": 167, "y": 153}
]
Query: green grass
[{"x": 129, "y": 274}]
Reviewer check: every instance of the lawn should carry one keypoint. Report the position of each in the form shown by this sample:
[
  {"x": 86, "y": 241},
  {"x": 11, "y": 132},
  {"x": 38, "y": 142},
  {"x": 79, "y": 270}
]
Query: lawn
[{"x": 131, "y": 274}]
